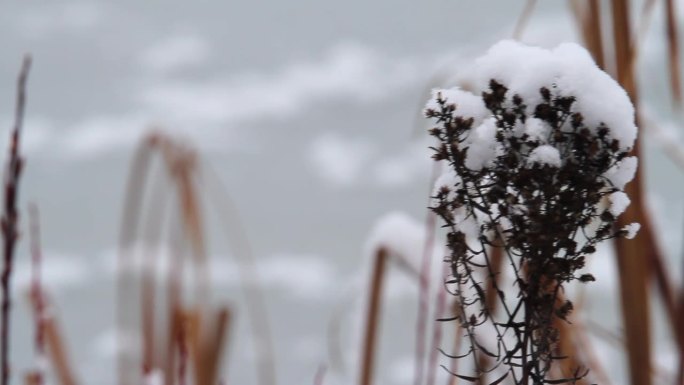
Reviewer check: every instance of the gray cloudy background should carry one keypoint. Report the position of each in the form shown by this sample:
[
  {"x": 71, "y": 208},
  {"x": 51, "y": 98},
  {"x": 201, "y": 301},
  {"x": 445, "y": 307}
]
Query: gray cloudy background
[{"x": 307, "y": 111}]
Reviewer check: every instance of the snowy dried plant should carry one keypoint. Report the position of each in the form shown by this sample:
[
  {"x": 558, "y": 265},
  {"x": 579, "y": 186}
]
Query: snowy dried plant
[{"x": 537, "y": 164}]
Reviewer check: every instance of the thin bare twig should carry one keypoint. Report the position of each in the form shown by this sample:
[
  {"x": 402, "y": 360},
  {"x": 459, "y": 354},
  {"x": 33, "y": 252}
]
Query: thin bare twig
[{"x": 10, "y": 216}]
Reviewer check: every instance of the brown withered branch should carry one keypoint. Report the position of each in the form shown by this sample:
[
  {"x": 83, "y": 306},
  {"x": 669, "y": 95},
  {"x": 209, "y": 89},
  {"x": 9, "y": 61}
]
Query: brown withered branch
[
  {"x": 9, "y": 219},
  {"x": 546, "y": 216}
]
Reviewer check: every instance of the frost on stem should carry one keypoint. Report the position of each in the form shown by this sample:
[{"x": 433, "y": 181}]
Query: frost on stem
[{"x": 537, "y": 164}]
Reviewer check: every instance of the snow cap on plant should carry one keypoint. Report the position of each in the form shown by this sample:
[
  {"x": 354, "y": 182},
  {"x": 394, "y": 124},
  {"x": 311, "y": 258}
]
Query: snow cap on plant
[{"x": 537, "y": 155}]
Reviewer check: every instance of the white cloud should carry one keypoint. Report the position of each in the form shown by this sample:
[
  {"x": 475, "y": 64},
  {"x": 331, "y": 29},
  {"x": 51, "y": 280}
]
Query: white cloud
[
  {"x": 211, "y": 111},
  {"x": 404, "y": 167},
  {"x": 302, "y": 276},
  {"x": 349, "y": 73},
  {"x": 339, "y": 160},
  {"x": 45, "y": 20},
  {"x": 99, "y": 134},
  {"x": 58, "y": 271},
  {"x": 176, "y": 53},
  {"x": 36, "y": 133}
]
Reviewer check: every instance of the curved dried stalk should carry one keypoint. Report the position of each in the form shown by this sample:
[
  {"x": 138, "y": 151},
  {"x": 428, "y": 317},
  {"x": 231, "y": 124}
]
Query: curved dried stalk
[
  {"x": 250, "y": 283},
  {"x": 180, "y": 165},
  {"x": 373, "y": 316}
]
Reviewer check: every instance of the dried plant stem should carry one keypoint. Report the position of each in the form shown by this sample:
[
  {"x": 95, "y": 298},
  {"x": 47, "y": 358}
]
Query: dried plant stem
[
  {"x": 588, "y": 18},
  {"x": 58, "y": 354},
  {"x": 37, "y": 291},
  {"x": 633, "y": 258},
  {"x": 437, "y": 329},
  {"x": 373, "y": 316},
  {"x": 584, "y": 341},
  {"x": 524, "y": 19},
  {"x": 253, "y": 292},
  {"x": 424, "y": 287},
  {"x": 320, "y": 375},
  {"x": 567, "y": 347},
  {"x": 594, "y": 34},
  {"x": 458, "y": 340},
  {"x": 10, "y": 217},
  {"x": 673, "y": 52}
]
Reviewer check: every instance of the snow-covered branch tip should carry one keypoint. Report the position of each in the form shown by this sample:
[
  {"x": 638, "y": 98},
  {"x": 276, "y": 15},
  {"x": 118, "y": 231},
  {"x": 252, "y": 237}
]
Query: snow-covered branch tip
[{"x": 537, "y": 162}]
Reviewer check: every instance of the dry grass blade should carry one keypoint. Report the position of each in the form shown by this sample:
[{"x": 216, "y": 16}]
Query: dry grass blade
[
  {"x": 320, "y": 375},
  {"x": 55, "y": 345},
  {"x": 373, "y": 316},
  {"x": 673, "y": 52},
  {"x": 437, "y": 329},
  {"x": 567, "y": 347},
  {"x": 524, "y": 19},
  {"x": 424, "y": 289},
  {"x": 133, "y": 201},
  {"x": 672, "y": 148},
  {"x": 588, "y": 19},
  {"x": 597, "y": 370},
  {"x": 632, "y": 255},
  {"x": 10, "y": 233},
  {"x": 33, "y": 378},
  {"x": 214, "y": 341},
  {"x": 594, "y": 32},
  {"x": 37, "y": 290},
  {"x": 253, "y": 292},
  {"x": 680, "y": 329}
]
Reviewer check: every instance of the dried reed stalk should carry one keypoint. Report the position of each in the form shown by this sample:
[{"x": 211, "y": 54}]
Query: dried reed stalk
[
  {"x": 424, "y": 288},
  {"x": 440, "y": 308},
  {"x": 673, "y": 52},
  {"x": 320, "y": 375},
  {"x": 253, "y": 292},
  {"x": 593, "y": 32},
  {"x": 632, "y": 257},
  {"x": 213, "y": 345},
  {"x": 56, "y": 348},
  {"x": 523, "y": 19},
  {"x": 37, "y": 290},
  {"x": 33, "y": 378},
  {"x": 568, "y": 347},
  {"x": 180, "y": 164},
  {"x": 588, "y": 18},
  {"x": 647, "y": 251},
  {"x": 597, "y": 370},
  {"x": 373, "y": 316},
  {"x": 129, "y": 227},
  {"x": 10, "y": 232}
]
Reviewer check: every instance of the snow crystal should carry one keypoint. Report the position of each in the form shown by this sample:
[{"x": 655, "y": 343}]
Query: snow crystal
[
  {"x": 570, "y": 71},
  {"x": 623, "y": 172},
  {"x": 618, "y": 203},
  {"x": 482, "y": 147},
  {"x": 467, "y": 104},
  {"x": 545, "y": 155},
  {"x": 632, "y": 229}
]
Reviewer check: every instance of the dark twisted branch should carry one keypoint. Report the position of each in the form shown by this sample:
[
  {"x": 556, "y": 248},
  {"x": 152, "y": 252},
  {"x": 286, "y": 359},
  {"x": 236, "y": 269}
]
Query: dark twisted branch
[{"x": 9, "y": 219}]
